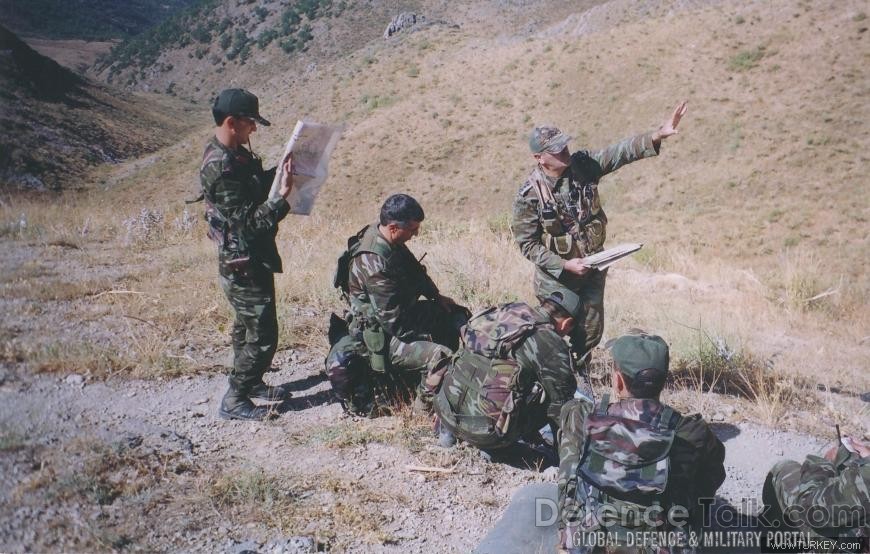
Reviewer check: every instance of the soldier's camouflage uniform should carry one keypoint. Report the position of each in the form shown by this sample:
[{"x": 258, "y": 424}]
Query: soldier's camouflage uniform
[
  {"x": 384, "y": 288},
  {"x": 491, "y": 381},
  {"x": 821, "y": 497},
  {"x": 696, "y": 458},
  {"x": 244, "y": 223},
  {"x": 579, "y": 213}
]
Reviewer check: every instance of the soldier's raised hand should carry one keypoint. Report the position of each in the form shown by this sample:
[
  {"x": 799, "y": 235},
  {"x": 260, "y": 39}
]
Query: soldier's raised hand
[
  {"x": 669, "y": 127},
  {"x": 287, "y": 170}
]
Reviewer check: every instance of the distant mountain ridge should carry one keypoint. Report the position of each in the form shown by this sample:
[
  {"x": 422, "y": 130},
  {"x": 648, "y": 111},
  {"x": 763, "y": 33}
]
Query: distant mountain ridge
[{"x": 86, "y": 19}]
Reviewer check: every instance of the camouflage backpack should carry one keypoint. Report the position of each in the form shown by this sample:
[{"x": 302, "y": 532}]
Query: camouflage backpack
[
  {"x": 625, "y": 464},
  {"x": 484, "y": 395}
]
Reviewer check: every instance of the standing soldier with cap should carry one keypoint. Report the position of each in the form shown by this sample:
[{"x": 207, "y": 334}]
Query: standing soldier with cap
[
  {"x": 558, "y": 220},
  {"x": 243, "y": 221},
  {"x": 634, "y": 465}
]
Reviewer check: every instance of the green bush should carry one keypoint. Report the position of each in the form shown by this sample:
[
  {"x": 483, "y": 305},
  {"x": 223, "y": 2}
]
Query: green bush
[{"x": 747, "y": 59}]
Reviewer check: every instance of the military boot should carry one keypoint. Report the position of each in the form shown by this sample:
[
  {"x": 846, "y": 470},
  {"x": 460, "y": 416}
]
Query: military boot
[
  {"x": 262, "y": 391},
  {"x": 236, "y": 405}
]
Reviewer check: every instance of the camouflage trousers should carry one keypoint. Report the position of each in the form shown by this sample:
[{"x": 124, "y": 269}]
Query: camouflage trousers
[
  {"x": 418, "y": 364},
  {"x": 590, "y": 288},
  {"x": 820, "y": 493},
  {"x": 255, "y": 329}
]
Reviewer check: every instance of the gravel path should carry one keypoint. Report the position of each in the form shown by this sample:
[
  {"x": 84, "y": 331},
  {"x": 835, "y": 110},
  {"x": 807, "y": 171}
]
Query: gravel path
[{"x": 348, "y": 478}]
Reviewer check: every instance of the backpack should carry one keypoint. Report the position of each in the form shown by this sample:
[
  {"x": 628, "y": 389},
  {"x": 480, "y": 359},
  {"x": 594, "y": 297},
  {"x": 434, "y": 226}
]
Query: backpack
[
  {"x": 625, "y": 464},
  {"x": 484, "y": 396},
  {"x": 342, "y": 265}
]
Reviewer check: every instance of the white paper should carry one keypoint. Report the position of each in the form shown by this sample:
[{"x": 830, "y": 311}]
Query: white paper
[
  {"x": 606, "y": 258},
  {"x": 312, "y": 145}
]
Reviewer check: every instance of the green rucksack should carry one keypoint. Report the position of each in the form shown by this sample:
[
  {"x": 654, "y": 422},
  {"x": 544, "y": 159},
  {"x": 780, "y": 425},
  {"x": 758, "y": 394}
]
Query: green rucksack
[
  {"x": 484, "y": 396},
  {"x": 625, "y": 464}
]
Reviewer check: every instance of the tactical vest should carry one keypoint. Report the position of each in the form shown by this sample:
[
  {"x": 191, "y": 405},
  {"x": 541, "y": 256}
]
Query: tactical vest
[
  {"x": 625, "y": 466},
  {"x": 484, "y": 395},
  {"x": 363, "y": 321},
  {"x": 574, "y": 224}
]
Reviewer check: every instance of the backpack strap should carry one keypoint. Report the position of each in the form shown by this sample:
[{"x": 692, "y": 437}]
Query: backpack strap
[
  {"x": 602, "y": 407},
  {"x": 665, "y": 417},
  {"x": 648, "y": 471}
]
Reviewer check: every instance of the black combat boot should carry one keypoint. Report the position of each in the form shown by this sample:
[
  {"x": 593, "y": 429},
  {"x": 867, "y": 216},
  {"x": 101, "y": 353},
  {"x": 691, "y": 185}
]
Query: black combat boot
[
  {"x": 236, "y": 405},
  {"x": 262, "y": 391}
]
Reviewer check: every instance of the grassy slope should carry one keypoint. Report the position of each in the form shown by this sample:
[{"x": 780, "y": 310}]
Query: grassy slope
[{"x": 757, "y": 205}]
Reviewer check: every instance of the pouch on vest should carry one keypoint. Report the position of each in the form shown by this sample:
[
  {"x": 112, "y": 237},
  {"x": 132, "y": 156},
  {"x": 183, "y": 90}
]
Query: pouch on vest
[
  {"x": 376, "y": 342},
  {"x": 627, "y": 459},
  {"x": 563, "y": 244},
  {"x": 554, "y": 236}
]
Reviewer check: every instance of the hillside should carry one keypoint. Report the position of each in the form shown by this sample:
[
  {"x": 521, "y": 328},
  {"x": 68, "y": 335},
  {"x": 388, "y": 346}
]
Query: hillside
[
  {"x": 437, "y": 110},
  {"x": 60, "y": 124}
]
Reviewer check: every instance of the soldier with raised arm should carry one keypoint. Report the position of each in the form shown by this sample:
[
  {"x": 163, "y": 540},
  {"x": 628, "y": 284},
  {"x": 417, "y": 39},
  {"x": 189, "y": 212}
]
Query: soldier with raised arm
[{"x": 558, "y": 220}]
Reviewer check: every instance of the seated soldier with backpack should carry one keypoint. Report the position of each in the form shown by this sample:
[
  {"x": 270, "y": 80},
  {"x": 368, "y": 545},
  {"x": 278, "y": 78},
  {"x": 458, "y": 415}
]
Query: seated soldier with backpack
[
  {"x": 511, "y": 375},
  {"x": 636, "y": 465},
  {"x": 389, "y": 337}
]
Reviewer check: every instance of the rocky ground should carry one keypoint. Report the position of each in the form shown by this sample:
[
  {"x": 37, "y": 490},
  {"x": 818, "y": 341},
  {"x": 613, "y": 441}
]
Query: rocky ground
[{"x": 147, "y": 465}]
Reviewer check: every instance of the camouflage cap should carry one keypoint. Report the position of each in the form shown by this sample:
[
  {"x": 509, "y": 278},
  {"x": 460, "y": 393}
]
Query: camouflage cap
[
  {"x": 240, "y": 103},
  {"x": 566, "y": 300},
  {"x": 634, "y": 353},
  {"x": 547, "y": 139}
]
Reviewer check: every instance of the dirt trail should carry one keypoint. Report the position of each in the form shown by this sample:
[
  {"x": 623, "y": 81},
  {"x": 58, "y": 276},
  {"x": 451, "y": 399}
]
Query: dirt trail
[{"x": 348, "y": 478}]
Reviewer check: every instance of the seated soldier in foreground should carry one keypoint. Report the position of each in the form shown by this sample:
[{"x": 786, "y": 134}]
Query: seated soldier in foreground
[
  {"x": 620, "y": 459},
  {"x": 512, "y": 373},
  {"x": 393, "y": 338},
  {"x": 825, "y": 497}
]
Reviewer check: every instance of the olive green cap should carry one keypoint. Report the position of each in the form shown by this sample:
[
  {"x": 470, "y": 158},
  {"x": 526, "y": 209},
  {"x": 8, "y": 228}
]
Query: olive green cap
[
  {"x": 568, "y": 301},
  {"x": 634, "y": 353},
  {"x": 547, "y": 139}
]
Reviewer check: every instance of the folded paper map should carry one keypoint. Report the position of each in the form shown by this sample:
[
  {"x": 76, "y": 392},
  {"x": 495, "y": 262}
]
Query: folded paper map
[{"x": 312, "y": 144}]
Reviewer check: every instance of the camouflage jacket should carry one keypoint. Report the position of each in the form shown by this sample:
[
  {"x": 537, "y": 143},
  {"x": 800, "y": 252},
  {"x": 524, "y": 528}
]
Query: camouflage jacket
[
  {"x": 696, "y": 457},
  {"x": 384, "y": 280},
  {"x": 575, "y": 214},
  {"x": 836, "y": 495},
  {"x": 236, "y": 188}
]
